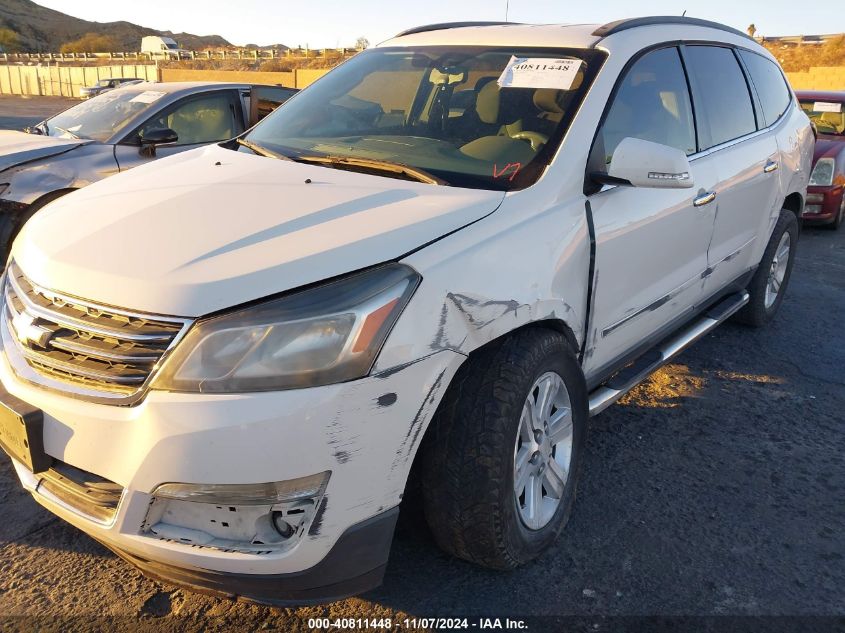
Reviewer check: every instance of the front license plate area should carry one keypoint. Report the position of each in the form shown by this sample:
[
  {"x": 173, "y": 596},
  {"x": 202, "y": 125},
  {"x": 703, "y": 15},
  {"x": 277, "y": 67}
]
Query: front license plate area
[{"x": 22, "y": 432}]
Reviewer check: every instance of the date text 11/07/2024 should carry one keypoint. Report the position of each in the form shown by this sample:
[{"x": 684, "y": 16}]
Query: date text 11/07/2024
[{"x": 418, "y": 624}]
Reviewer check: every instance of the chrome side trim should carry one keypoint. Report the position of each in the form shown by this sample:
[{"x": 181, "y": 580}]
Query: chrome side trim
[
  {"x": 671, "y": 295},
  {"x": 727, "y": 258},
  {"x": 652, "y": 306}
]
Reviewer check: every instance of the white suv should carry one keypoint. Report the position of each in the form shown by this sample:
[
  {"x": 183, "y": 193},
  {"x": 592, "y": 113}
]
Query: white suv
[{"x": 447, "y": 253}]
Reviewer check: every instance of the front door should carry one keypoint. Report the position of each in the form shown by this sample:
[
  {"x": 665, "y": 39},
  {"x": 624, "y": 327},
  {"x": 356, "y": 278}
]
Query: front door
[
  {"x": 197, "y": 120},
  {"x": 651, "y": 244}
]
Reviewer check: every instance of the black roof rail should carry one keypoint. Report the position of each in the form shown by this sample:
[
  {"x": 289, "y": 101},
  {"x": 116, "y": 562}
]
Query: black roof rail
[
  {"x": 442, "y": 26},
  {"x": 631, "y": 23}
]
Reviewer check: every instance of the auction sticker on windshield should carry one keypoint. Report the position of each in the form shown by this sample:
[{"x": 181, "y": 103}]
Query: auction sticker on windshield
[
  {"x": 822, "y": 106},
  {"x": 540, "y": 72},
  {"x": 148, "y": 96}
]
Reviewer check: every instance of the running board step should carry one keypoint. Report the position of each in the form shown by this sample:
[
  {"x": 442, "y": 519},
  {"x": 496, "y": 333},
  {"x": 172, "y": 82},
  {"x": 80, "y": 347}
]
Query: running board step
[{"x": 632, "y": 375}]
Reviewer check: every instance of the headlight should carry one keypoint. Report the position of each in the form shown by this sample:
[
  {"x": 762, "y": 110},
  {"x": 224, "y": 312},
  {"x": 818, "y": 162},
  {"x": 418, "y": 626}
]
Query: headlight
[
  {"x": 327, "y": 334},
  {"x": 822, "y": 175}
]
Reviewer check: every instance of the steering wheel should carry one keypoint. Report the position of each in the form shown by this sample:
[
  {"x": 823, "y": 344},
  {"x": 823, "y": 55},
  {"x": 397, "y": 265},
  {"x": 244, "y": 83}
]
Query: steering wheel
[{"x": 536, "y": 139}]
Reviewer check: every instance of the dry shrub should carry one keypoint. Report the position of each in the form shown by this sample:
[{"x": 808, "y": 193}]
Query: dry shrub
[{"x": 798, "y": 57}]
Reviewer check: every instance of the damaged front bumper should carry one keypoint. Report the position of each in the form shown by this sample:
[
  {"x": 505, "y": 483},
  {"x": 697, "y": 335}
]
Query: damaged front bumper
[{"x": 147, "y": 463}]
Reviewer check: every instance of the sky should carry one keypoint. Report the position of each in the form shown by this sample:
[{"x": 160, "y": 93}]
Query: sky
[{"x": 335, "y": 23}]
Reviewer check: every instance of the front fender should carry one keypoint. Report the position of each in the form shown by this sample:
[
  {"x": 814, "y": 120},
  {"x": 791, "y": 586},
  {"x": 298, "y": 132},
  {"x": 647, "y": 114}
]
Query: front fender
[
  {"x": 510, "y": 269},
  {"x": 71, "y": 170}
]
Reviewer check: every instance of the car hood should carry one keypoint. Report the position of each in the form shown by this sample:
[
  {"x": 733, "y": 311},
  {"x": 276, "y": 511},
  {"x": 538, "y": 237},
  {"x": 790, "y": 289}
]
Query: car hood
[
  {"x": 827, "y": 146},
  {"x": 212, "y": 228},
  {"x": 17, "y": 148}
]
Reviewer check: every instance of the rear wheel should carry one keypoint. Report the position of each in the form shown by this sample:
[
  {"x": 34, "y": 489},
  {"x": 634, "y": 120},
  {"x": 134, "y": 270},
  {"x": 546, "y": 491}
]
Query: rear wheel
[
  {"x": 770, "y": 280},
  {"x": 501, "y": 462}
]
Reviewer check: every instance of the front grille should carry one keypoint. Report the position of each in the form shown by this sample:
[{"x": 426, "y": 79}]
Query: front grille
[{"x": 94, "y": 350}]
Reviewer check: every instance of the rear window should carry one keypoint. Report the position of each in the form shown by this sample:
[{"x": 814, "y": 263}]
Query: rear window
[
  {"x": 723, "y": 102},
  {"x": 770, "y": 85}
]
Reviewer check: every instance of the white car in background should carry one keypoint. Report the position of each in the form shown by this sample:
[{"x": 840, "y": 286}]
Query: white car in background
[{"x": 448, "y": 252}]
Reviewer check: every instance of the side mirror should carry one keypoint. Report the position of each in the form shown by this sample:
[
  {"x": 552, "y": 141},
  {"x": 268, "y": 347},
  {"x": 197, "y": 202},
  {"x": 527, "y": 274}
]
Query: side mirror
[
  {"x": 157, "y": 136},
  {"x": 642, "y": 163}
]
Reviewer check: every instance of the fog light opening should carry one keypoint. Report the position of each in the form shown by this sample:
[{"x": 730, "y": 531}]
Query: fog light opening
[{"x": 285, "y": 529}]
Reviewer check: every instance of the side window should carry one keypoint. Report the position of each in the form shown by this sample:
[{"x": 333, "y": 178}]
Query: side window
[
  {"x": 726, "y": 105},
  {"x": 652, "y": 103},
  {"x": 204, "y": 119},
  {"x": 770, "y": 85}
]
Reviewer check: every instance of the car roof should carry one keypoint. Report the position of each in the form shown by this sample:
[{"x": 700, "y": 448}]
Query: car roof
[
  {"x": 508, "y": 34},
  {"x": 171, "y": 87},
  {"x": 622, "y": 33},
  {"x": 827, "y": 95}
]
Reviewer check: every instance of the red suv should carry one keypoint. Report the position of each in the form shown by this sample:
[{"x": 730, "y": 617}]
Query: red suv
[{"x": 825, "y": 200}]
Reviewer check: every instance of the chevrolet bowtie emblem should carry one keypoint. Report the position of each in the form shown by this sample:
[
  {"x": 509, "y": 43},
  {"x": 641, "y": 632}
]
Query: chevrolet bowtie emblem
[{"x": 28, "y": 333}]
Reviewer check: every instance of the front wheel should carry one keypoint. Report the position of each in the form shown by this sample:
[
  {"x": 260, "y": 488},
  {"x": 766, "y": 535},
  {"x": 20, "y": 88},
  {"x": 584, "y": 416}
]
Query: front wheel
[
  {"x": 501, "y": 462},
  {"x": 768, "y": 285}
]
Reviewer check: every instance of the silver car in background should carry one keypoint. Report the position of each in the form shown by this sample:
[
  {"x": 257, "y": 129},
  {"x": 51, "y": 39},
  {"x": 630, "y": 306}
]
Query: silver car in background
[
  {"x": 116, "y": 131},
  {"x": 104, "y": 85}
]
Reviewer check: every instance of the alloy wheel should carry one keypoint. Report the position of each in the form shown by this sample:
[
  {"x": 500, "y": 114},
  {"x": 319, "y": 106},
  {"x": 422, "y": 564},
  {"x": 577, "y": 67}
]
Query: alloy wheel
[
  {"x": 543, "y": 451},
  {"x": 777, "y": 271}
]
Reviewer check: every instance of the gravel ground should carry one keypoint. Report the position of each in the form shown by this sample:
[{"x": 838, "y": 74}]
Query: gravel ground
[{"x": 714, "y": 489}]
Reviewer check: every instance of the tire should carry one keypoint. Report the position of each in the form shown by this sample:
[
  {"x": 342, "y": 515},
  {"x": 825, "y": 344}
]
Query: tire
[
  {"x": 469, "y": 456},
  {"x": 762, "y": 306}
]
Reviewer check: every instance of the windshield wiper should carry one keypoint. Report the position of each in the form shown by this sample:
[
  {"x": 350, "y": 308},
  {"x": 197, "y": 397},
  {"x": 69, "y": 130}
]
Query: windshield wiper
[
  {"x": 261, "y": 150},
  {"x": 414, "y": 173}
]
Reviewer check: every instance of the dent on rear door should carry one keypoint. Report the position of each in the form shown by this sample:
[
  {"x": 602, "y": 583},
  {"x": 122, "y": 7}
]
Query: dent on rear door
[{"x": 748, "y": 198}]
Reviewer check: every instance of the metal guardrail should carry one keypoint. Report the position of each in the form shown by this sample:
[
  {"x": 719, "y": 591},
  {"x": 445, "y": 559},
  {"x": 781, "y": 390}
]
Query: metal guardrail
[{"x": 240, "y": 53}]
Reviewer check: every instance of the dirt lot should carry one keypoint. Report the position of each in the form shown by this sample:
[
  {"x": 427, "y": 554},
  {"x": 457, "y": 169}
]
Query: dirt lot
[{"x": 715, "y": 489}]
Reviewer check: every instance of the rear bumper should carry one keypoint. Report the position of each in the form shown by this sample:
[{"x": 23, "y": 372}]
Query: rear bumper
[
  {"x": 823, "y": 204},
  {"x": 355, "y": 564}
]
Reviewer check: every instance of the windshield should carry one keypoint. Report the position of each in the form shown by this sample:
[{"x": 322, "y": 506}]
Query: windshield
[
  {"x": 827, "y": 115},
  {"x": 481, "y": 117},
  {"x": 101, "y": 117}
]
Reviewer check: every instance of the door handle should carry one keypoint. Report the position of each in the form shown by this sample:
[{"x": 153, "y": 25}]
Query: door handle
[
  {"x": 704, "y": 198},
  {"x": 770, "y": 167}
]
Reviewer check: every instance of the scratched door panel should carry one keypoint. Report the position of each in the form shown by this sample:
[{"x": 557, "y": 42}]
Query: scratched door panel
[{"x": 651, "y": 251}]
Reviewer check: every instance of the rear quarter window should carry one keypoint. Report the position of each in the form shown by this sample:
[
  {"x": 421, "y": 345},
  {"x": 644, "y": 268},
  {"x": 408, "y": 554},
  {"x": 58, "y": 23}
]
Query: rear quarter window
[{"x": 770, "y": 85}]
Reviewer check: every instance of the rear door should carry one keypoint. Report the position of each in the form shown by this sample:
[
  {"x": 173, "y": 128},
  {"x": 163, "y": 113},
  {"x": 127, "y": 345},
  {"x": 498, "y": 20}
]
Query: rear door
[
  {"x": 745, "y": 154},
  {"x": 198, "y": 120},
  {"x": 651, "y": 244}
]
